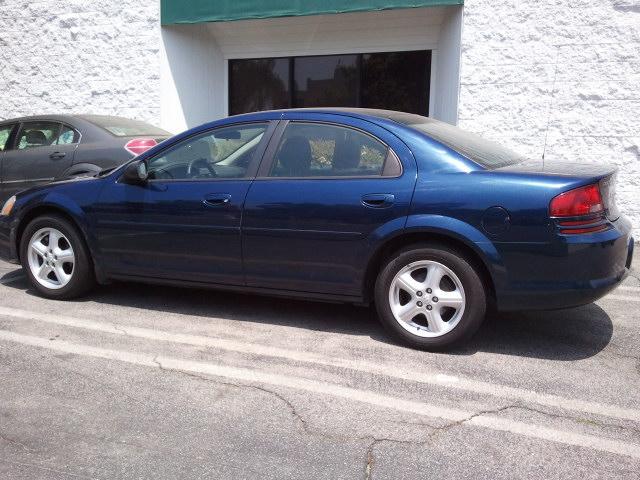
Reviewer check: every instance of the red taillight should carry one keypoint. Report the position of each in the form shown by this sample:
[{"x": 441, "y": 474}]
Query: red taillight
[
  {"x": 139, "y": 145},
  {"x": 580, "y": 201},
  {"x": 585, "y": 202}
]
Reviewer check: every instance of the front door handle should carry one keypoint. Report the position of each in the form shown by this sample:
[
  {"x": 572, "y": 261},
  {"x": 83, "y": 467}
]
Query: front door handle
[
  {"x": 216, "y": 199},
  {"x": 57, "y": 155},
  {"x": 378, "y": 200}
]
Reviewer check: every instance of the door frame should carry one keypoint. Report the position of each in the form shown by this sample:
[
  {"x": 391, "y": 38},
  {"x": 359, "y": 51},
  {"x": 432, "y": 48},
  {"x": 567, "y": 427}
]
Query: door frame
[
  {"x": 397, "y": 148},
  {"x": 215, "y": 182}
]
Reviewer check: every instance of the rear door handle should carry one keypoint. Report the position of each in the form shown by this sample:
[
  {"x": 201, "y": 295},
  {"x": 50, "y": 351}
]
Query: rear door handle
[
  {"x": 57, "y": 155},
  {"x": 216, "y": 199},
  {"x": 378, "y": 200}
]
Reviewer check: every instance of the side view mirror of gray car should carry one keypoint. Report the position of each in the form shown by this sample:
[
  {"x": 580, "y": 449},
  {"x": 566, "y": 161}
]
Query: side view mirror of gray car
[{"x": 135, "y": 172}]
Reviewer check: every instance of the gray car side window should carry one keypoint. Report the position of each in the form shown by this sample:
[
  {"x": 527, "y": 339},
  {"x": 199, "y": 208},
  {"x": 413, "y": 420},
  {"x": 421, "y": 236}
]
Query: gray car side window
[
  {"x": 37, "y": 134},
  {"x": 67, "y": 136},
  {"x": 5, "y": 133}
]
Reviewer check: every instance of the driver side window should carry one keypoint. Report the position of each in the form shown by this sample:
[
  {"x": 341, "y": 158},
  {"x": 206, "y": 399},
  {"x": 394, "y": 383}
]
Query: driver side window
[{"x": 222, "y": 153}]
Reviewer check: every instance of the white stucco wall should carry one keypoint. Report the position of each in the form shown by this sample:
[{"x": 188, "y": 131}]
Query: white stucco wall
[
  {"x": 77, "y": 56},
  {"x": 557, "y": 77}
]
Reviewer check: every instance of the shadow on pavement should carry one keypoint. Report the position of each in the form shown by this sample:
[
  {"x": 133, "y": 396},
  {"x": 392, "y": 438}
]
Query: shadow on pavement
[
  {"x": 566, "y": 335},
  {"x": 571, "y": 334}
]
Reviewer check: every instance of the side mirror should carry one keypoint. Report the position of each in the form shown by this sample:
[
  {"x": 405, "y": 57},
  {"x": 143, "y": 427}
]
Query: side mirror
[{"x": 135, "y": 172}]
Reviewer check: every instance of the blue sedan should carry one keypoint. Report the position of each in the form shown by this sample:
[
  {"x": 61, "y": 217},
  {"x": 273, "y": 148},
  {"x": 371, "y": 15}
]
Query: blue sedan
[{"x": 431, "y": 224}]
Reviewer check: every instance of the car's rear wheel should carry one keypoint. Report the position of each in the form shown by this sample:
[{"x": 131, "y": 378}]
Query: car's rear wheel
[
  {"x": 55, "y": 258},
  {"x": 430, "y": 297}
]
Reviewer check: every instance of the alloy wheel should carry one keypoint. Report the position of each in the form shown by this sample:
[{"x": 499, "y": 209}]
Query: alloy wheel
[
  {"x": 51, "y": 258},
  {"x": 427, "y": 298}
]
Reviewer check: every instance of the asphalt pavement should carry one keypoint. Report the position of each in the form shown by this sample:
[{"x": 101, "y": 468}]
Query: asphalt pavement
[{"x": 148, "y": 382}]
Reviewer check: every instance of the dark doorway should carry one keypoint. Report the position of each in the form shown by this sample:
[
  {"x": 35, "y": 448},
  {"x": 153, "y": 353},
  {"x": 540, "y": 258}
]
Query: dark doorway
[{"x": 391, "y": 80}]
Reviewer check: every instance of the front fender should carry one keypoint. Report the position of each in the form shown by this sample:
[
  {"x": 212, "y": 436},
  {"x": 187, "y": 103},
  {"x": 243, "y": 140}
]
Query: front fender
[
  {"x": 54, "y": 201},
  {"x": 49, "y": 200}
]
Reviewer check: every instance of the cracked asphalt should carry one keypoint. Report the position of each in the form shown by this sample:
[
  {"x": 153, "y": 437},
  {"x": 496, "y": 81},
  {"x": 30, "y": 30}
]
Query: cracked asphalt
[{"x": 138, "y": 381}]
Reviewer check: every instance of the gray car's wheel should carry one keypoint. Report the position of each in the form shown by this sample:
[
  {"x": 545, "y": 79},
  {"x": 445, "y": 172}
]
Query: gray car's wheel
[
  {"x": 55, "y": 258},
  {"x": 430, "y": 297}
]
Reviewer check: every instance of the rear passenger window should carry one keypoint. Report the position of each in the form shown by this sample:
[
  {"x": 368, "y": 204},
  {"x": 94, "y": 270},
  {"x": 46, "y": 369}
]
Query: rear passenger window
[
  {"x": 320, "y": 150},
  {"x": 38, "y": 134}
]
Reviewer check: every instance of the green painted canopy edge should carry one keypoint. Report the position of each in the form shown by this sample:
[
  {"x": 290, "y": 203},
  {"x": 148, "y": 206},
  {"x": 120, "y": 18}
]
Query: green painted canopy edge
[{"x": 199, "y": 11}]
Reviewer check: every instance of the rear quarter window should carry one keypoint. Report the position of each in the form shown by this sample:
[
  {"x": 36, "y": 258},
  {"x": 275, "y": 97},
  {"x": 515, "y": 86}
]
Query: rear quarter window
[
  {"x": 484, "y": 152},
  {"x": 67, "y": 136}
]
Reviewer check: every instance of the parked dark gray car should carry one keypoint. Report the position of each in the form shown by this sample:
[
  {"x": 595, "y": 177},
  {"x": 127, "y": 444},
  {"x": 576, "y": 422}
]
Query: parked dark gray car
[{"x": 40, "y": 149}]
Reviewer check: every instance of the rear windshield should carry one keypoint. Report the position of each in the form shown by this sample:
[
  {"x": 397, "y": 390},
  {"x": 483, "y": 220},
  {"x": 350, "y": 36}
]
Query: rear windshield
[
  {"x": 125, "y": 127},
  {"x": 484, "y": 152}
]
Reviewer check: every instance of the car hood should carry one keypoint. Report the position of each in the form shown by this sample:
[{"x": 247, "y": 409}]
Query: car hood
[
  {"x": 45, "y": 186},
  {"x": 559, "y": 167}
]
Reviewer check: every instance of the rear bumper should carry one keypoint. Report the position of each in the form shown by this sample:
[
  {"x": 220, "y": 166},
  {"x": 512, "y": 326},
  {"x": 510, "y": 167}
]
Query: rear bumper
[
  {"x": 574, "y": 270},
  {"x": 8, "y": 230}
]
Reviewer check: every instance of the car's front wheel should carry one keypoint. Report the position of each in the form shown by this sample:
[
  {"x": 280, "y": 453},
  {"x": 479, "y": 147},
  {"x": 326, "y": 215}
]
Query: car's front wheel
[
  {"x": 55, "y": 258},
  {"x": 430, "y": 297}
]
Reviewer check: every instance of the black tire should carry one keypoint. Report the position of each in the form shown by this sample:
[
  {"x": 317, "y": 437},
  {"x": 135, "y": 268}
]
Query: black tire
[
  {"x": 82, "y": 276},
  {"x": 474, "y": 293}
]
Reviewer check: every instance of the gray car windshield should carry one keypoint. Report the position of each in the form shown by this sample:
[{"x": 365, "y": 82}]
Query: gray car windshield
[
  {"x": 125, "y": 127},
  {"x": 484, "y": 152}
]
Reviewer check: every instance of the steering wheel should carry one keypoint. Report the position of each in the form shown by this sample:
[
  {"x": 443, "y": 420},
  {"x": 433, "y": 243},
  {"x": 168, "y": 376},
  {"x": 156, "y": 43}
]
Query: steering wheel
[{"x": 196, "y": 167}]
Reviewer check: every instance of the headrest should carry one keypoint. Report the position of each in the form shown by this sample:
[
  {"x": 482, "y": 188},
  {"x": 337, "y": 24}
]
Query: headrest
[
  {"x": 36, "y": 137},
  {"x": 347, "y": 155},
  {"x": 295, "y": 157}
]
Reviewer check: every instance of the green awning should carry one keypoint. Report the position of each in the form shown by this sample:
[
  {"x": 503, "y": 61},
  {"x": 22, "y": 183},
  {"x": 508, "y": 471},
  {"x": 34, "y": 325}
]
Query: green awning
[{"x": 198, "y": 11}]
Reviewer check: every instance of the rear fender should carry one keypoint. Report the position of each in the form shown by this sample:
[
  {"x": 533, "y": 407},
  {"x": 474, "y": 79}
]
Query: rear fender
[
  {"x": 443, "y": 227},
  {"x": 465, "y": 233}
]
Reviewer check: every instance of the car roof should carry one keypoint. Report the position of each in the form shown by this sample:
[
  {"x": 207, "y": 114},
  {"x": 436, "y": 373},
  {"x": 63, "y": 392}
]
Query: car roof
[
  {"x": 31, "y": 118},
  {"x": 57, "y": 117}
]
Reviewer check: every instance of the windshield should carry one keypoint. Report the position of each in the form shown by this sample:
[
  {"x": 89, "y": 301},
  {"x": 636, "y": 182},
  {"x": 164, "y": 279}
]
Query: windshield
[
  {"x": 484, "y": 152},
  {"x": 125, "y": 127}
]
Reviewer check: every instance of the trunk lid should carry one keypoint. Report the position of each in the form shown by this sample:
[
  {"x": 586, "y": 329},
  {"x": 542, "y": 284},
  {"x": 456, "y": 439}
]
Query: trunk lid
[
  {"x": 602, "y": 174},
  {"x": 569, "y": 169}
]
